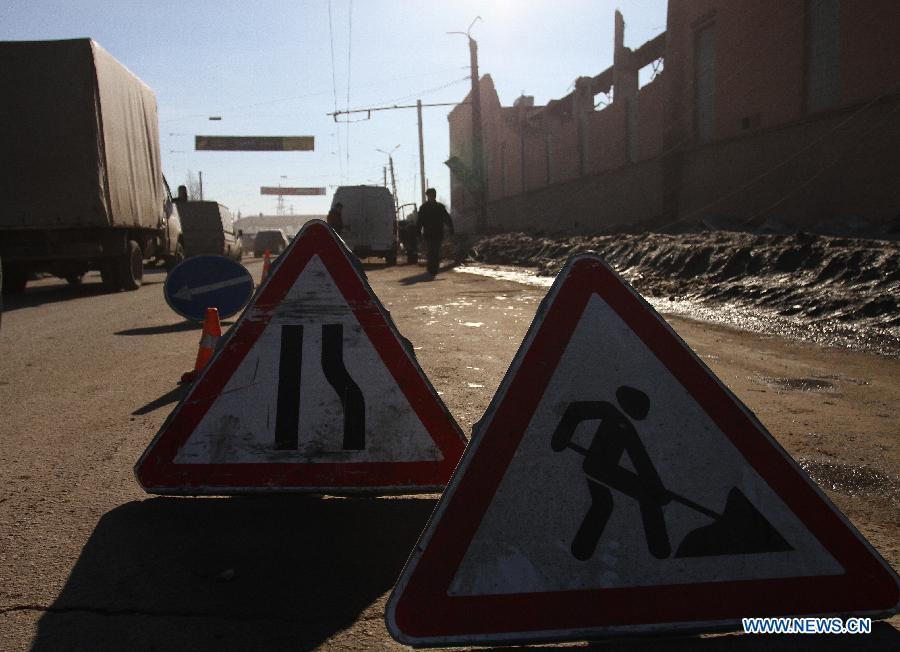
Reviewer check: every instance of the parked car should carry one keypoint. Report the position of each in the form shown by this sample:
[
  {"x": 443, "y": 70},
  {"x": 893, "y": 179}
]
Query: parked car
[
  {"x": 370, "y": 221},
  {"x": 274, "y": 240}
]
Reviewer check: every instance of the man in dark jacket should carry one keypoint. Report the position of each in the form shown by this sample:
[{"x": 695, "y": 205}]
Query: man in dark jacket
[{"x": 433, "y": 216}]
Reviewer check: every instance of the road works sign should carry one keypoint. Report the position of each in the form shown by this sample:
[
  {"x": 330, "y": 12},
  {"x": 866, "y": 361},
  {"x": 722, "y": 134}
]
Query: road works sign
[
  {"x": 255, "y": 143},
  {"x": 314, "y": 390},
  {"x": 205, "y": 282},
  {"x": 616, "y": 485}
]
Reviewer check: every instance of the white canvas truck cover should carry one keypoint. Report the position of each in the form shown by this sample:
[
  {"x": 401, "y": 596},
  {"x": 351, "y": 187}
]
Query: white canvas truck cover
[{"x": 80, "y": 139}]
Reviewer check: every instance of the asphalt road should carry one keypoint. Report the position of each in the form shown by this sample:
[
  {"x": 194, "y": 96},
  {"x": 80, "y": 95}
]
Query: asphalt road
[{"x": 89, "y": 561}]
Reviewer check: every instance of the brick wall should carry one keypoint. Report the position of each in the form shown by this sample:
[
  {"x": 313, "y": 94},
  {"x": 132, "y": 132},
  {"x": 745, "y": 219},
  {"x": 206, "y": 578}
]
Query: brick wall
[{"x": 767, "y": 153}]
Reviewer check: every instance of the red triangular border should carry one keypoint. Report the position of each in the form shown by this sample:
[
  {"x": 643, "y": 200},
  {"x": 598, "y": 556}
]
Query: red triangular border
[
  {"x": 420, "y": 611},
  {"x": 156, "y": 471}
]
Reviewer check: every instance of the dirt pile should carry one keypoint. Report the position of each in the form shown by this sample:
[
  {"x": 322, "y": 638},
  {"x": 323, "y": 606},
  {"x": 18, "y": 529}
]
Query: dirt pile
[{"x": 818, "y": 279}]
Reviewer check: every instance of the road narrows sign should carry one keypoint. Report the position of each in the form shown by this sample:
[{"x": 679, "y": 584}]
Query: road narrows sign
[
  {"x": 313, "y": 390},
  {"x": 616, "y": 485}
]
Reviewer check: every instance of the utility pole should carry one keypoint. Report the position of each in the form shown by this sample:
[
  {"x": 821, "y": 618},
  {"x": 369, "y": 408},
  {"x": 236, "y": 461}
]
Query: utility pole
[
  {"x": 480, "y": 194},
  {"x": 200, "y": 172},
  {"x": 384, "y": 169},
  {"x": 421, "y": 151},
  {"x": 390, "y": 156},
  {"x": 393, "y": 182}
]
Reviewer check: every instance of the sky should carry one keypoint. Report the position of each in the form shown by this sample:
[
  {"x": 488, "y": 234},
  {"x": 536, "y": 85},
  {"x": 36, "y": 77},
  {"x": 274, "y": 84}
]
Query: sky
[{"x": 272, "y": 68}]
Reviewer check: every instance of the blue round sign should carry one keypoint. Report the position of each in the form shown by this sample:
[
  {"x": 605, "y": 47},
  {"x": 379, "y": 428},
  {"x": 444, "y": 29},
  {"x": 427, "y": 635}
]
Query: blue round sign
[{"x": 205, "y": 282}]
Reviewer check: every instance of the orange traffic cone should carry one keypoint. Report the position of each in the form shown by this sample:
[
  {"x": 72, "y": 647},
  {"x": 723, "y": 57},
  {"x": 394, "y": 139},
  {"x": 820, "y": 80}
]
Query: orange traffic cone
[
  {"x": 212, "y": 331},
  {"x": 267, "y": 262}
]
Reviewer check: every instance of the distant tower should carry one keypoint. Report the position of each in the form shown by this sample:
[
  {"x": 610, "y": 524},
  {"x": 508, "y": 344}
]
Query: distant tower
[{"x": 279, "y": 210}]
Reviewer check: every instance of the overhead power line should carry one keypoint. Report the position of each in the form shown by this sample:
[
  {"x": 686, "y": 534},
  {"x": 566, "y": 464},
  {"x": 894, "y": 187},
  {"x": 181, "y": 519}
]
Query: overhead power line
[
  {"x": 380, "y": 82},
  {"x": 334, "y": 91},
  {"x": 349, "y": 60}
]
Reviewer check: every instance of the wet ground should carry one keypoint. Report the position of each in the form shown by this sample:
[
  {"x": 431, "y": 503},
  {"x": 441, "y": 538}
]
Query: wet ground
[{"x": 833, "y": 291}]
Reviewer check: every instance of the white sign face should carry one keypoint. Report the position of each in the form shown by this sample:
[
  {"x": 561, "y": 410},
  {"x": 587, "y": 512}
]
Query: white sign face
[
  {"x": 525, "y": 546},
  {"x": 615, "y": 485},
  {"x": 241, "y": 426},
  {"x": 313, "y": 389}
]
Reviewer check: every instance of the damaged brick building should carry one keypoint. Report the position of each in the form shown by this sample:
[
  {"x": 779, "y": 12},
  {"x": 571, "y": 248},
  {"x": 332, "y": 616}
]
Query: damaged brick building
[{"x": 772, "y": 113}]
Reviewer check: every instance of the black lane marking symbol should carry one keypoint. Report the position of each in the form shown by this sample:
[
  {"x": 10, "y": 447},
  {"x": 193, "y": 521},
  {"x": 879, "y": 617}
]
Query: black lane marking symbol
[
  {"x": 740, "y": 529},
  {"x": 349, "y": 392},
  {"x": 287, "y": 415}
]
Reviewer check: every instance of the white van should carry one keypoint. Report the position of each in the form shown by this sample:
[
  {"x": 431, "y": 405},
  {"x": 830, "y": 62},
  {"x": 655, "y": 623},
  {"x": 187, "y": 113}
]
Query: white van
[{"x": 370, "y": 223}]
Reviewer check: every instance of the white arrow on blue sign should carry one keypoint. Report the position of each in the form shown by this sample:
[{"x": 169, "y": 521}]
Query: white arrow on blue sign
[{"x": 205, "y": 282}]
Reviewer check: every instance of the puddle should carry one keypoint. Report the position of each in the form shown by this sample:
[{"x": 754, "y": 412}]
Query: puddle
[
  {"x": 882, "y": 341},
  {"x": 799, "y": 384},
  {"x": 852, "y": 480}
]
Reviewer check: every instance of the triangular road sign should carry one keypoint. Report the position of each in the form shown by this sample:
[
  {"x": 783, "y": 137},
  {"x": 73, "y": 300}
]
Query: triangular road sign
[
  {"x": 616, "y": 485},
  {"x": 314, "y": 390}
]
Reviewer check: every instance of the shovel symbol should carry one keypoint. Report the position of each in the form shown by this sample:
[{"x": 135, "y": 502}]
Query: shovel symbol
[{"x": 739, "y": 529}]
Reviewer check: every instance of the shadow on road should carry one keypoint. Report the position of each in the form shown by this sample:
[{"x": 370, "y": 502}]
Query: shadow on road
[
  {"x": 258, "y": 572},
  {"x": 162, "y": 329},
  {"x": 171, "y": 396},
  {"x": 425, "y": 276},
  {"x": 36, "y": 296}
]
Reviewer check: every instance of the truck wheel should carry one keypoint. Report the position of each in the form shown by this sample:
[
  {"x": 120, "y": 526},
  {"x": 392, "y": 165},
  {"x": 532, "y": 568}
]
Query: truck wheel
[
  {"x": 412, "y": 257},
  {"x": 176, "y": 258},
  {"x": 391, "y": 259},
  {"x": 74, "y": 279},
  {"x": 15, "y": 278},
  {"x": 131, "y": 267}
]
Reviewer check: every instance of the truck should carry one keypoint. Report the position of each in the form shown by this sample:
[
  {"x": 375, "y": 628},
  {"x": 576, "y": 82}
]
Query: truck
[
  {"x": 272, "y": 240},
  {"x": 82, "y": 181},
  {"x": 370, "y": 221},
  {"x": 208, "y": 228}
]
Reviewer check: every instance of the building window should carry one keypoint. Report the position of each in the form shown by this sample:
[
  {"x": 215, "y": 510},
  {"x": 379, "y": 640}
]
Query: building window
[
  {"x": 821, "y": 56},
  {"x": 704, "y": 83}
]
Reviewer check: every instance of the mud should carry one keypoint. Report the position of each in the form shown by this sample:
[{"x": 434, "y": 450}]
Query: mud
[
  {"x": 831, "y": 290},
  {"x": 853, "y": 480}
]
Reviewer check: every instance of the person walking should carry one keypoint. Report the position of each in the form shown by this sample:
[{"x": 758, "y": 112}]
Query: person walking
[
  {"x": 433, "y": 216},
  {"x": 335, "y": 219}
]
